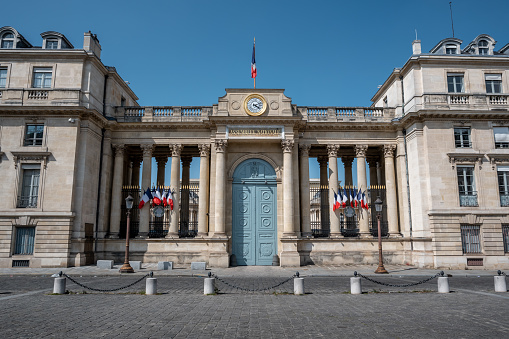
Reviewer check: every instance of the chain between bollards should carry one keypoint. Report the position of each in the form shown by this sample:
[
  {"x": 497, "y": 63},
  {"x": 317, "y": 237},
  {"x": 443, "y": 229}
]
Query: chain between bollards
[
  {"x": 105, "y": 290},
  {"x": 211, "y": 275},
  {"x": 441, "y": 273}
]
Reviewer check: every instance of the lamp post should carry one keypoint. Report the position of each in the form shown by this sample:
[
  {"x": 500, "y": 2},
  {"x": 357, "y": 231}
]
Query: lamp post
[
  {"x": 126, "y": 268},
  {"x": 378, "y": 207}
]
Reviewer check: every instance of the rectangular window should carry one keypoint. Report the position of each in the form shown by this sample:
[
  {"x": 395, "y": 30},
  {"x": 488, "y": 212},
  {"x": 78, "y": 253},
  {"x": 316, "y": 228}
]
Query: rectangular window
[
  {"x": 501, "y": 137},
  {"x": 29, "y": 186},
  {"x": 503, "y": 185},
  {"x": 3, "y": 77},
  {"x": 122, "y": 102},
  {"x": 25, "y": 237},
  {"x": 471, "y": 238},
  {"x": 42, "y": 77},
  {"x": 505, "y": 235},
  {"x": 33, "y": 135},
  {"x": 462, "y": 137},
  {"x": 450, "y": 49},
  {"x": 493, "y": 83},
  {"x": 455, "y": 83},
  {"x": 466, "y": 186},
  {"x": 51, "y": 44}
]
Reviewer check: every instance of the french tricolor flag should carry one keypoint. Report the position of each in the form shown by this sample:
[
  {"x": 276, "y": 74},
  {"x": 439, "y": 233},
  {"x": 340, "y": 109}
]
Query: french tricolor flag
[
  {"x": 169, "y": 199},
  {"x": 147, "y": 195},
  {"x": 253, "y": 63}
]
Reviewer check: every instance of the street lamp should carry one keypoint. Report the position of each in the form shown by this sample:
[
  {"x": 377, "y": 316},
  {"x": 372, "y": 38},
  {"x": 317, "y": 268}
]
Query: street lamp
[
  {"x": 378, "y": 207},
  {"x": 126, "y": 268}
]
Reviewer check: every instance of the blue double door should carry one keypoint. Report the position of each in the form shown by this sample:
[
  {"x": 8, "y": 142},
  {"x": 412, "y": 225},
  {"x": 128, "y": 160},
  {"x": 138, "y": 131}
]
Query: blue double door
[{"x": 254, "y": 231}]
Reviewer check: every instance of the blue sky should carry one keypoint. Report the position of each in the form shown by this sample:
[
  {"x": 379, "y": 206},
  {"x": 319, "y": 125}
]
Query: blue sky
[{"x": 323, "y": 53}]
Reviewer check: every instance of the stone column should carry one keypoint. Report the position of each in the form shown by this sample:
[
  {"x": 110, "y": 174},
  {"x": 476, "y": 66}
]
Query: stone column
[
  {"x": 203, "y": 194},
  {"x": 348, "y": 161},
  {"x": 116, "y": 191},
  {"x": 373, "y": 164},
  {"x": 288, "y": 201},
  {"x": 333, "y": 188},
  {"x": 220, "y": 145},
  {"x": 390, "y": 190},
  {"x": 304, "y": 191},
  {"x": 130, "y": 173},
  {"x": 145, "y": 183},
  {"x": 360, "y": 154},
  {"x": 184, "y": 197},
  {"x": 175, "y": 188},
  {"x": 324, "y": 213},
  {"x": 161, "y": 165},
  {"x": 135, "y": 180}
]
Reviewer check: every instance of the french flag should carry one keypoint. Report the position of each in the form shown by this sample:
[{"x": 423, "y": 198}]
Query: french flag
[
  {"x": 253, "y": 63},
  {"x": 145, "y": 198},
  {"x": 359, "y": 198},
  {"x": 365, "y": 200},
  {"x": 344, "y": 198},
  {"x": 170, "y": 199},
  {"x": 157, "y": 198},
  {"x": 351, "y": 198},
  {"x": 334, "y": 202},
  {"x": 165, "y": 202}
]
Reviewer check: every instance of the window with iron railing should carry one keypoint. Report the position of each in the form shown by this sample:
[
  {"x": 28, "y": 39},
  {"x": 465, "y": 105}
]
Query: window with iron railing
[
  {"x": 471, "y": 239},
  {"x": 462, "y": 137},
  {"x": 503, "y": 185},
  {"x": 29, "y": 186},
  {"x": 505, "y": 236},
  {"x": 466, "y": 186}
]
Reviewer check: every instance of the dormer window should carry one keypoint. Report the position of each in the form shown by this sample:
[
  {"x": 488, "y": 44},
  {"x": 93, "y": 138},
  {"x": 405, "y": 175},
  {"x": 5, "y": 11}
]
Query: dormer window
[
  {"x": 451, "y": 49},
  {"x": 52, "y": 44},
  {"x": 55, "y": 40},
  {"x": 483, "y": 47},
  {"x": 8, "y": 40}
]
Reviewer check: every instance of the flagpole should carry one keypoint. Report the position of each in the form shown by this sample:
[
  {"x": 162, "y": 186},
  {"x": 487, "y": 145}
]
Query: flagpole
[{"x": 254, "y": 79}]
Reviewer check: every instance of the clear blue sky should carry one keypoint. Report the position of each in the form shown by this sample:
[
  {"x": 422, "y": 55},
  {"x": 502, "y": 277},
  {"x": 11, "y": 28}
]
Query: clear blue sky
[{"x": 323, "y": 53}]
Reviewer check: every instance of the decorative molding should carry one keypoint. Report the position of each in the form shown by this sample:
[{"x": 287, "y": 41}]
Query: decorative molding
[
  {"x": 254, "y": 156},
  {"x": 221, "y": 145},
  {"x": 332, "y": 150},
  {"x": 176, "y": 149},
  {"x": 465, "y": 158},
  {"x": 31, "y": 156},
  {"x": 204, "y": 150},
  {"x": 119, "y": 149},
  {"x": 147, "y": 149},
  {"x": 360, "y": 151},
  {"x": 497, "y": 159},
  {"x": 304, "y": 150},
  {"x": 389, "y": 151},
  {"x": 25, "y": 220},
  {"x": 287, "y": 145}
]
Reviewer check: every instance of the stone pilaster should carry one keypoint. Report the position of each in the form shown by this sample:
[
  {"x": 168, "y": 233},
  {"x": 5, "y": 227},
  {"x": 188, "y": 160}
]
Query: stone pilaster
[
  {"x": 288, "y": 200},
  {"x": 116, "y": 191},
  {"x": 390, "y": 187},
  {"x": 304, "y": 191},
  {"x": 203, "y": 194},
  {"x": 333, "y": 188},
  {"x": 176, "y": 149},
  {"x": 145, "y": 183},
  {"x": 360, "y": 154},
  {"x": 220, "y": 145}
]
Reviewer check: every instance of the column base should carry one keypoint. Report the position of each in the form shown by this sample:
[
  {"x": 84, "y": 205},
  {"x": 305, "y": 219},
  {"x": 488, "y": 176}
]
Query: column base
[
  {"x": 395, "y": 235},
  {"x": 290, "y": 259},
  {"x": 113, "y": 236},
  {"x": 290, "y": 235},
  {"x": 336, "y": 235},
  {"x": 142, "y": 235},
  {"x": 306, "y": 235},
  {"x": 171, "y": 235},
  {"x": 365, "y": 235},
  {"x": 202, "y": 234}
]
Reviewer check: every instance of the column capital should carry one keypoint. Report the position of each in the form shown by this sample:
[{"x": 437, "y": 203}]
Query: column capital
[
  {"x": 204, "y": 150},
  {"x": 389, "y": 150},
  {"x": 161, "y": 160},
  {"x": 304, "y": 150},
  {"x": 136, "y": 160},
  {"x": 360, "y": 151},
  {"x": 332, "y": 150},
  {"x": 147, "y": 149},
  {"x": 347, "y": 161},
  {"x": 322, "y": 160},
  {"x": 119, "y": 149},
  {"x": 176, "y": 149},
  {"x": 221, "y": 145},
  {"x": 186, "y": 161},
  {"x": 287, "y": 145},
  {"x": 372, "y": 160}
]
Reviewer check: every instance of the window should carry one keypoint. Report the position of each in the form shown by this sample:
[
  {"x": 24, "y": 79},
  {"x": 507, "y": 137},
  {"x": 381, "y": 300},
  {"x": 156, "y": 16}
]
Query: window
[
  {"x": 462, "y": 137},
  {"x": 33, "y": 135},
  {"x": 122, "y": 102},
  {"x": 24, "y": 240},
  {"x": 451, "y": 49},
  {"x": 501, "y": 137},
  {"x": 505, "y": 235},
  {"x": 386, "y": 102},
  {"x": 483, "y": 47},
  {"x": 8, "y": 40},
  {"x": 493, "y": 83},
  {"x": 503, "y": 185},
  {"x": 51, "y": 44},
  {"x": 29, "y": 186},
  {"x": 455, "y": 83},
  {"x": 470, "y": 238},
  {"x": 466, "y": 185},
  {"x": 42, "y": 77},
  {"x": 3, "y": 77}
]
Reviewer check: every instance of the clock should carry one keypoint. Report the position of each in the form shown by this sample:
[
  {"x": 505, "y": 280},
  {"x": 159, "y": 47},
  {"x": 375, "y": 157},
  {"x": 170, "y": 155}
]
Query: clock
[
  {"x": 158, "y": 211},
  {"x": 255, "y": 105}
]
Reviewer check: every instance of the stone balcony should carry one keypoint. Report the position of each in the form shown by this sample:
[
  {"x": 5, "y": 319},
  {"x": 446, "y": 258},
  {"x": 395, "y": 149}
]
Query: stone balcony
[
  {"x": 40, "y": 97},
  {"x": 466, "y": 101}
]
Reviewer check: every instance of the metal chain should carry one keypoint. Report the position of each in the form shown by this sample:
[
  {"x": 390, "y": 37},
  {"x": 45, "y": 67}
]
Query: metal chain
[
  {"x": 254, "y": 289},
  {"x": 400, "y": 285},
  {"x": 103, "y": 290}
]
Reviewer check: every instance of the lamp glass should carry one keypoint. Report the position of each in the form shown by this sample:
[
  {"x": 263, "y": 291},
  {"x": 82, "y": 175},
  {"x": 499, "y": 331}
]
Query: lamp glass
[
  {"x": 129, "y": 202},
  {"x": 378, "y": 204}
]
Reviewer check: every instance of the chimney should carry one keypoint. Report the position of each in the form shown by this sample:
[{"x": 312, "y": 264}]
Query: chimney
[
  {"x": 91, "y": 44},
  {"x": 416, "y": 47}
]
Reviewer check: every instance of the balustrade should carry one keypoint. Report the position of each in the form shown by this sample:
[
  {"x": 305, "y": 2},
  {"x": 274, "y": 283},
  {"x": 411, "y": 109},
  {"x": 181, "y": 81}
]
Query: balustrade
[
  {"x": 459, "y": 99},
  {"x": 38, "y": 95},
  {"x": 497, "y": 100}
]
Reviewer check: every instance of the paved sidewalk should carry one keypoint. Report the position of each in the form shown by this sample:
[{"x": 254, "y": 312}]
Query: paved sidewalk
[{"x": 250, "y": 271}]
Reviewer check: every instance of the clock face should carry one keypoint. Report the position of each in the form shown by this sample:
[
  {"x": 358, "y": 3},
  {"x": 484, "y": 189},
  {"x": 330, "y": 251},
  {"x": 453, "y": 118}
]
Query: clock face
[{"x": 255, "y": 105}]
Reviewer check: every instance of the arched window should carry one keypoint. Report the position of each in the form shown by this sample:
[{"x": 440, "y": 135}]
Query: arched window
[
  {"x": 483, "y": 47},
  {"x": 8, "y": 40}
]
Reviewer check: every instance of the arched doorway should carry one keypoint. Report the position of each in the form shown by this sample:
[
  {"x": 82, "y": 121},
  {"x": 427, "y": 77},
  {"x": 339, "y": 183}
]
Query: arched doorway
[{"x": 254, "y": 229}]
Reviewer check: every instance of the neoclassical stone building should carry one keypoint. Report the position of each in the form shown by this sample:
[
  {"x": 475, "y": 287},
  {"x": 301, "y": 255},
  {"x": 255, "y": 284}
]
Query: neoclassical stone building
[{"x": 74, "y": 143}]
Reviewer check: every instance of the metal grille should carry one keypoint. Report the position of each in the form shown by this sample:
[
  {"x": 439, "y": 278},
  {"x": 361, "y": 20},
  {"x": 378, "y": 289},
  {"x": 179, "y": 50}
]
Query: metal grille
[
  {"x": 21, "y": 263},
  {"x": 189, "y": 211},
  {"x": 319, "y": 211},
  {"x": 470, "y": 239},
  {"x": 505, "y": 236},
  {"x": 373, "y": 193},
  {"x": 25, "y": 237},
  {"x": 474, "y": 262}
]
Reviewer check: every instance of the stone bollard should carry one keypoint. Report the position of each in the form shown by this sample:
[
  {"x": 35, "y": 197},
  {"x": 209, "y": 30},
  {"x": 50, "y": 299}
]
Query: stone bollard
[
  {"x": 59, "y": 285},
  {"x": 443, "y": 284},
  {"x": 151, "y": 286},
  {"x": 209, "y": 286},
  {"x": 355, "y": 285},
  {"x": 298, "y": 285},
  {"x": 500, "y": 283}
]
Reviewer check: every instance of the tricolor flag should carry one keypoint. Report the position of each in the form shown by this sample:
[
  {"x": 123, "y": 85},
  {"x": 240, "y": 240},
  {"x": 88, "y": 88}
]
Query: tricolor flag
[
  {"x": 253, "y": 63},
  {"x": 145, "y": 198},
  {"x": 351, "y": 198},
  {"x": 334, "y": 202},
  {"x": 165, "y": 202},
  {"x": 344, "y": 199},
  {"x": 365, "y": 200},
  {"x": 358, "y": 199},
  {"x": 170, "y": 199},
  {"x": 157, "y": 197}
]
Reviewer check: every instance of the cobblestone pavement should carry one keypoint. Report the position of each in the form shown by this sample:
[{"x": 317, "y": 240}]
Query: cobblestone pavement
[{"x": 472, "y": 310}]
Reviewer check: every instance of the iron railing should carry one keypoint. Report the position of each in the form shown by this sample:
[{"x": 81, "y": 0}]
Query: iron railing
[
  {"x": 468, "y": 199},
  {"x": 471, "y": 239}
]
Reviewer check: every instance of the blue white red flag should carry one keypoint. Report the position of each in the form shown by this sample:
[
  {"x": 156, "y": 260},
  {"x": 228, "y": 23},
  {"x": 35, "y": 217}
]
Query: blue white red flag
[
  {"x": 157, "y": 197},
  {"x": 147, "y": 195},
  {"x": 253, "y": 63},
  {"x": 170, "y": 199},
  {"x": 364, "y": 200}
]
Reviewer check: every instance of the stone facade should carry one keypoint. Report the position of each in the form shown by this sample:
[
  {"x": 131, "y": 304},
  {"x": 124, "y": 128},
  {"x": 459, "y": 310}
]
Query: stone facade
[{"x": 74, "y": 143}]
